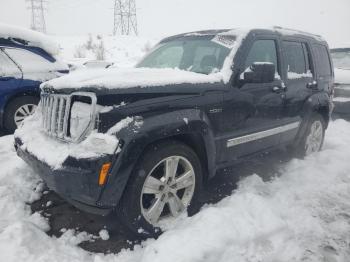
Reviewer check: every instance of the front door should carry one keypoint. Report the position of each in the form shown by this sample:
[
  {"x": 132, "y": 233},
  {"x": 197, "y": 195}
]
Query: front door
[{"x": 252, "y": 111}]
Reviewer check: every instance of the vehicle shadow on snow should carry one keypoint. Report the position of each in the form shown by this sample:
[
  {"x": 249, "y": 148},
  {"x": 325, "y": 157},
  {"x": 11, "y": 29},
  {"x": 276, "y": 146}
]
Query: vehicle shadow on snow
[{"x": 62, "y": 215}]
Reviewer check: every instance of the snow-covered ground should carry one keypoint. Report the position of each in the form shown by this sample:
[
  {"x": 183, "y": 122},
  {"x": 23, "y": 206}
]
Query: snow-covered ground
[
  {"x": 122, "y": 51},
  {"x": 302, "y": 215}
]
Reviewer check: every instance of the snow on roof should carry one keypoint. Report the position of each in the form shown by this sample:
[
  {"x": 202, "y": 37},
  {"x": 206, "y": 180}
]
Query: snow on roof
[
  {"x": 32, "y": 37},
  {"x": 288, "y": 31},
  {"x": 245, "y": 30}
]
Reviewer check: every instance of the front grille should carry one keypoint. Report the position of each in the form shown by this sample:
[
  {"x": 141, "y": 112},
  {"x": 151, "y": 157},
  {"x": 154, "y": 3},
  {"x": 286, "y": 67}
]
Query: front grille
[{"x": 56, "y": 112}]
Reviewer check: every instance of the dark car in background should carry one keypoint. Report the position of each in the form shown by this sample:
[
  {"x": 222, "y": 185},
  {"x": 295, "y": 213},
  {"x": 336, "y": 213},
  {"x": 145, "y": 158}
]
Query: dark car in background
[
  {"x": 141, "y": 142},
  {"x": 341, "y": 61},
  {"x": 23, "y": 67}
]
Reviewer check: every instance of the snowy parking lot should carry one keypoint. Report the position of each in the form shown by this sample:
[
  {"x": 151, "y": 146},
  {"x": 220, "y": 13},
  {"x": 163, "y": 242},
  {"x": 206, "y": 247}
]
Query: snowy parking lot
[{"x": 302, "y": 213}]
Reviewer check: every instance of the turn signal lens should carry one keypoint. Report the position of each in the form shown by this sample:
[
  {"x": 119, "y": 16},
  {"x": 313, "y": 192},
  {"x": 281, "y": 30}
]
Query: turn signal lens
[{"x": 104, "y": 173}]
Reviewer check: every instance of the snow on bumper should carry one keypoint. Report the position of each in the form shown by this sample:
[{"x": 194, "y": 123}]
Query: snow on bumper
[
  {"x": 54, "y": 152},
  {"x": 69, "y": 169}
]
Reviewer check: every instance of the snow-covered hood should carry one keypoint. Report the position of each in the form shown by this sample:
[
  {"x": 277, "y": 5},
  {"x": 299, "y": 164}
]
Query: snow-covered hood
[
  {"x": 342, "y": 76},
  {"x": 115, "y": 78}
]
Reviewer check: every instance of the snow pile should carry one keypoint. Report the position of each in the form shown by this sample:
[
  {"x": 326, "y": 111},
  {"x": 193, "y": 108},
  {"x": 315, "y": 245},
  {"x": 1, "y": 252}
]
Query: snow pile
[
  {"x": 54, "y": 152},
  {"x": 130, "y": 77},
  {"x": 303, "y": 215},
  {"x": 122, "y": 51},
  {"x": 342, "y": 76},
  {"x": 34, "y": 38},
  {"x": 104, "y": 235}
]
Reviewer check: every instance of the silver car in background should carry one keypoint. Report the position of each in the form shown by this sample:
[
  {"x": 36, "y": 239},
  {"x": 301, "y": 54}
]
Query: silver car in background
[{"x": 341, "y": 61}]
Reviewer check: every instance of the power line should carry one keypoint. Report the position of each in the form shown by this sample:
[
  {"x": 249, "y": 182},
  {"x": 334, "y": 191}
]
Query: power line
[
  {"x": 37, "y": 15},
  {"x": 125, "y": 20}
]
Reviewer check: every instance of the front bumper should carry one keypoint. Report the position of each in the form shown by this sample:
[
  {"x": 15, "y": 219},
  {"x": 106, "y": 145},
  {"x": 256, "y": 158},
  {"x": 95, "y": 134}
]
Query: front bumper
[{"x": 76, "y": 181}]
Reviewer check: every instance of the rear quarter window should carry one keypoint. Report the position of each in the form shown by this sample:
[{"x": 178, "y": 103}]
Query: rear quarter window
[
  {"x": 297, "y": 60},
  {"x": 323, "y": 64}
]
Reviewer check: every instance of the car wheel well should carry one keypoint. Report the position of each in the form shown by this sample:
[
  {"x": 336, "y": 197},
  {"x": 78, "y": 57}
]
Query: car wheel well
[
  {"x": 11, "y": 100},
  {"x": 324, "y": 112},
  {"x": 195, "y": 142},
  {"x": 21, "y": 94}
]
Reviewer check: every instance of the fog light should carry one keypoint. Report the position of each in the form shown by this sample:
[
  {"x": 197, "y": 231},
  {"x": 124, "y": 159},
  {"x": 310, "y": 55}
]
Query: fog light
[{"x": 104, "y": 173}]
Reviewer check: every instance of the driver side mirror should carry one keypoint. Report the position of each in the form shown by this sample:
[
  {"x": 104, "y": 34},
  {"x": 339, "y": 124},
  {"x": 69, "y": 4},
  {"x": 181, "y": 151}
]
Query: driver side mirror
[{"x": 260, "y": 73}]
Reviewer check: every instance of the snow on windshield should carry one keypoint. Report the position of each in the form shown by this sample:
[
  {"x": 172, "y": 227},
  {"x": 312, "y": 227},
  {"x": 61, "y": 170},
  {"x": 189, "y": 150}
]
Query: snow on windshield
[
  {"x": 114, "y": 78},
  {"x": 199, "y": 55}
]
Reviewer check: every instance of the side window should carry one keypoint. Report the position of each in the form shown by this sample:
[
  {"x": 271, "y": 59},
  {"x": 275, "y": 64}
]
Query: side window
[
  {"x": 7, "y": 67},
  {"x": 297, "y": 60},
  {"x": 308, "y": 58},
  {"x": 28, "y": 61},
  {"x": 262, "y": 51},
  {"x": 323, "y": 61}
]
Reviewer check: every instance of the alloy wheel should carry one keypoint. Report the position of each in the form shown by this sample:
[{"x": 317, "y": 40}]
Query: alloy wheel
[
  {"x": 23, "y": 112},
  {"x": 168, "y": 189},
  {"x": 315, "y": 138}
]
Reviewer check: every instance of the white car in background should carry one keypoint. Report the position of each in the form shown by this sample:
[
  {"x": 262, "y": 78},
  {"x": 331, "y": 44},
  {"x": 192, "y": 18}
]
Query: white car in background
[{"x": 341, "y": 61}]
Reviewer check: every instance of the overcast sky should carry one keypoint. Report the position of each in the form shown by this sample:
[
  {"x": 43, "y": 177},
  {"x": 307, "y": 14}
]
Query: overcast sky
[{"x": 157, "y": 18}]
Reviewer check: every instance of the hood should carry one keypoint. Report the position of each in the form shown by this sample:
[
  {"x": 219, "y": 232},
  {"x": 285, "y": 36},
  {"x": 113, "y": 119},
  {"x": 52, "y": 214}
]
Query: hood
[
  {"x": 342, "y": 76},
  {"x": 116, "y": 79}
]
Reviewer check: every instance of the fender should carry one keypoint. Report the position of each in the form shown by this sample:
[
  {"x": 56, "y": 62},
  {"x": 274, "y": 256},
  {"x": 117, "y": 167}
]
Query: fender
[
  {"x": 316, "y": 103},
  {"x": 138, "y": 135}
]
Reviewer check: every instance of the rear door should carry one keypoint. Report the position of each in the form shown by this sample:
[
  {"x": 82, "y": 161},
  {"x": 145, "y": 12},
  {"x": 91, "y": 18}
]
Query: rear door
[
  {"x": 299, "y": 77},
  {"x": 252, "y": 111}
]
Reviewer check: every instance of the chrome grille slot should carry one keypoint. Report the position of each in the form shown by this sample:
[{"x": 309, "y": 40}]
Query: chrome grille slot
[{"x": 56, "y": 114}]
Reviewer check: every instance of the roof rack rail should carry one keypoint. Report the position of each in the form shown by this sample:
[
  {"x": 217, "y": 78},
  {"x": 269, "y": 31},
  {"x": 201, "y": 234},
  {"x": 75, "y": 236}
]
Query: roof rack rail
[{"x": 294, "y": 30}]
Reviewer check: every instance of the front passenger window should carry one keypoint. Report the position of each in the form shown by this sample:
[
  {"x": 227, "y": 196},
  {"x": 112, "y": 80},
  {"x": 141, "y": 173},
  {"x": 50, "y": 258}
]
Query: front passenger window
[{"x": 262, "y": 51}]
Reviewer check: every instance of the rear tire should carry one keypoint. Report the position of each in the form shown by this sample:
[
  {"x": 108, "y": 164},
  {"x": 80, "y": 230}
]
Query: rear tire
[
  {"x": 17, "y": 110},
  {"x": 153, "y": 195},
  {"x": 313, "y": 138}
]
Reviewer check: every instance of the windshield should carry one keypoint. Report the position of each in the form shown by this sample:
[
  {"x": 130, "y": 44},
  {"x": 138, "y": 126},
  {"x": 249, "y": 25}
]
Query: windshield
[
  {"x": 341, "y": 59},
  {"x": 203, "y": 55}
]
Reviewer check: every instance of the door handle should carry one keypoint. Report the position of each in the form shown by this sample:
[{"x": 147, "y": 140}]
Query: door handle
[
  {"x": 312, "y": 85},
  {"x": 278, "y": 89}
]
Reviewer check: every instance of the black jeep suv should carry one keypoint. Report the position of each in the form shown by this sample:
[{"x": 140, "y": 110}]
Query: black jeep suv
[{"x": 141, "y": 142}]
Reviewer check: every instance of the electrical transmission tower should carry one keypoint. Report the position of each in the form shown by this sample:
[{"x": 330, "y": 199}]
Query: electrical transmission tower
[
  {"x": 37, "y": 18},
  {"x": 125, "y": 20}
]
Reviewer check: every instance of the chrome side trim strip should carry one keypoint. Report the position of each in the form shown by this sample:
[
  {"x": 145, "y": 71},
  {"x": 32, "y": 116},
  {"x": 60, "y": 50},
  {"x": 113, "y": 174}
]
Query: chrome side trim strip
[{"x": 259, "y": 135}]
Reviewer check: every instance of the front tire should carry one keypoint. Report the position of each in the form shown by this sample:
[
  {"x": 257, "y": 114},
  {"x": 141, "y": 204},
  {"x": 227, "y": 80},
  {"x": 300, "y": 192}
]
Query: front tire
[
  {"x": 17, "y": 110},
  {"x": 165, "y": 183},
  {"x": 313, "y": 138}
]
